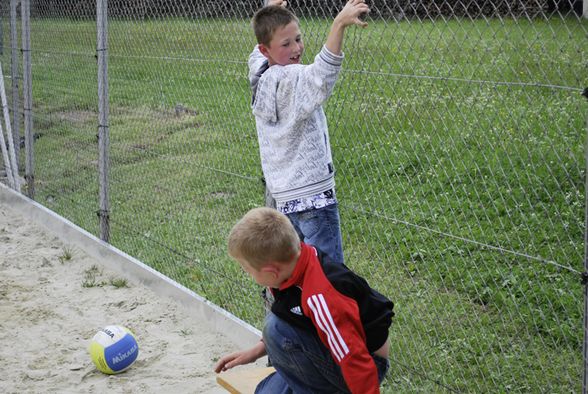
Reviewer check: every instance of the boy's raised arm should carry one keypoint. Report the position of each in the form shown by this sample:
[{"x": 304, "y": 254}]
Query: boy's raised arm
[{"x": 349, "y": 15}]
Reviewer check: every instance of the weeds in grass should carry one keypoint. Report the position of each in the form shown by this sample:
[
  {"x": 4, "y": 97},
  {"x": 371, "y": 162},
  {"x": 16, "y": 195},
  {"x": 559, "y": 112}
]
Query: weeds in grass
[
  {"x": 118, "y": 282},
  {"x": 185, "y": 332},
  {"x": 91, "y": 277},
  {"x": 67, "y": 255}
]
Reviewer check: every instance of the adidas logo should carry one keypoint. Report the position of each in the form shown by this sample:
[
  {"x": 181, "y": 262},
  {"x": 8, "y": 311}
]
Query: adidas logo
[{"x": 296, "y": 310}]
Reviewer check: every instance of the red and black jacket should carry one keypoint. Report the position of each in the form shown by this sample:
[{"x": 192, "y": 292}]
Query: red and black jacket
[{"x": 350, "y": 317}]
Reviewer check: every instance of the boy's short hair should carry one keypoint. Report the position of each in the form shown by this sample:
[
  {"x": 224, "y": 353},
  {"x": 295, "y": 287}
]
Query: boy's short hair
[
  {"x": 268, "y": 19},
  {"x": 263, "y": 235}
]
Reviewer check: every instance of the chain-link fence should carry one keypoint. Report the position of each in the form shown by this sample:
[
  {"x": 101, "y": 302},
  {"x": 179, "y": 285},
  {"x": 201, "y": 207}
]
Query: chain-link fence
[{"x": 457, "y": 130}]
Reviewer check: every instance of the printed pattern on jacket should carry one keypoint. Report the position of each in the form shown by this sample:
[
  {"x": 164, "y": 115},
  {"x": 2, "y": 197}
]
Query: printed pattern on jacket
[{"x": 291, "y": 124}]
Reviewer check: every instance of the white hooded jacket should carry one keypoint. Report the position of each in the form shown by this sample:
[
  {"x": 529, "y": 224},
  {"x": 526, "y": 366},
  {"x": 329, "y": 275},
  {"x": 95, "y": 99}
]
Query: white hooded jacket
[{"x": 291, "y": 124}]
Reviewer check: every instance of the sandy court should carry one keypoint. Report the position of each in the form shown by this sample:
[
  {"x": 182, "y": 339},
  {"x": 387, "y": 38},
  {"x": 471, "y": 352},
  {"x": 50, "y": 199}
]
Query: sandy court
[{"x": 51, "y": 306}]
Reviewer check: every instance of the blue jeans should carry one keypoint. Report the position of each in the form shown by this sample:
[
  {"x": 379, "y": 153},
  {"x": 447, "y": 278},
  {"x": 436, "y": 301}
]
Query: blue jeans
[
  {"x": 303, "y": 363},
  {"x": 321, "y": 228}
]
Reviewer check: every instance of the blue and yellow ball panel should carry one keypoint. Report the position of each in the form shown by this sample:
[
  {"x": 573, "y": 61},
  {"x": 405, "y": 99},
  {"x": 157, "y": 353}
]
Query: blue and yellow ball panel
[{"x": 113, "y": 349}]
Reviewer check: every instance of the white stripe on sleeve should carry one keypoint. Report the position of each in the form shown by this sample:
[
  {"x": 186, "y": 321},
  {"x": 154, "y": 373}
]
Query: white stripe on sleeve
[{"x": 324, "y": 319}]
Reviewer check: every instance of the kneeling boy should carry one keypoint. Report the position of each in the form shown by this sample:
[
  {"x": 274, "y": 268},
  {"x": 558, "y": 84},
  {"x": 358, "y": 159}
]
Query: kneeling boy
[{"x": 327, "y": 330}]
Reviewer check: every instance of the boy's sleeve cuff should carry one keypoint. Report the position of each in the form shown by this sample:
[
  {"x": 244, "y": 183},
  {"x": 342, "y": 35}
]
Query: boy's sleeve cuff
[{"x": 330, "y": 58}]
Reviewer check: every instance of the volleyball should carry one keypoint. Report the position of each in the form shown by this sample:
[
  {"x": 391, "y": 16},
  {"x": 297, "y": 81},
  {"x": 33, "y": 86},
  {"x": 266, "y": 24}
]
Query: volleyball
[{"x": 113, "y": 349}]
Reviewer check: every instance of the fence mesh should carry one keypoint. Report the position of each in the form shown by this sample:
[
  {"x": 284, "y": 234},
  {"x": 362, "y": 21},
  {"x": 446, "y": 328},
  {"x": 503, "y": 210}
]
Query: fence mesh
[{"x": 457, "y": 130}]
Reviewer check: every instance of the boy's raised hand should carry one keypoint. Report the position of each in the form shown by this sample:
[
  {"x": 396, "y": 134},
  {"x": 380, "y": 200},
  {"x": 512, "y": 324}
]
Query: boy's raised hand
[
  {"x": 281, "y": 3},
  {"x": 351, "y": 13}
]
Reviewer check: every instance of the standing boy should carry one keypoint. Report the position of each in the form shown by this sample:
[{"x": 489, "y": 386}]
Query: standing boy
[
  {"x": 328, "y": 329},
  {"x": 291, "y": 124}
]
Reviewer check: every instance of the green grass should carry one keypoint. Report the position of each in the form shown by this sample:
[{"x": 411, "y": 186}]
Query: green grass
[{"x": 459, "y": 149}]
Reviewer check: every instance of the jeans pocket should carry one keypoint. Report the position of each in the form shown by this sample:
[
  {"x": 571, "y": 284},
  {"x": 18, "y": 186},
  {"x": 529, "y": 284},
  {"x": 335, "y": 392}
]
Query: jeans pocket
[{"x": 309, "y": 223}]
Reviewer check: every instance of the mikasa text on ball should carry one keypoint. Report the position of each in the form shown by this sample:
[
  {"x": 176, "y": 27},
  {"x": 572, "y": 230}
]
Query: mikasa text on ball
[{"x": 113, "y": 349}]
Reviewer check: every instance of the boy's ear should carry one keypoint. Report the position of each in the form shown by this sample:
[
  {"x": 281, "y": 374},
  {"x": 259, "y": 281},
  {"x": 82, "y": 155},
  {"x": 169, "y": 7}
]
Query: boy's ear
[
  {"x": 271, "y": 269},
  {"x": 264, "y": 50}
]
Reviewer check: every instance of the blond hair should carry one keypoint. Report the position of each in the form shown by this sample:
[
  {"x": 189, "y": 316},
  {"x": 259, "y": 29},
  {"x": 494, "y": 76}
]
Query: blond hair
[
  {"x": 268, "y": 19},
  {"x": 263, "y": 235}
]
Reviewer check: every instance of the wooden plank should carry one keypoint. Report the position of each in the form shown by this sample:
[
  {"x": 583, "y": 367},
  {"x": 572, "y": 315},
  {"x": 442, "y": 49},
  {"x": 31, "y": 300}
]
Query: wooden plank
[{"x": 243, "y": 380}]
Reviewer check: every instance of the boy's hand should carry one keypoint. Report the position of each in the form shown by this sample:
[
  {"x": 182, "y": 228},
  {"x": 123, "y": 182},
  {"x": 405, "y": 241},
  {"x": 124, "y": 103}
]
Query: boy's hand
[
  {"x": 239, "y": 358},
  {"x": 348, "y": 16},
  {"x": 351, "y": 13},
  {"x": 282, "y": 3}
]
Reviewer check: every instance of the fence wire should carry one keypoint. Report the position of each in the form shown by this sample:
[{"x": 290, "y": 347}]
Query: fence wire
[{"x": 457, "y": 130}]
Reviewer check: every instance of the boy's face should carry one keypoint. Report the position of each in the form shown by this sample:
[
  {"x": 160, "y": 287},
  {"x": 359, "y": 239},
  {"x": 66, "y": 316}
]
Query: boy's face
[{"x": 286, "y": 46}]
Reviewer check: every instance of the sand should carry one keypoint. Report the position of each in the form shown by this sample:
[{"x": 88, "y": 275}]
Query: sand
[{"x": 51, "y": 306}]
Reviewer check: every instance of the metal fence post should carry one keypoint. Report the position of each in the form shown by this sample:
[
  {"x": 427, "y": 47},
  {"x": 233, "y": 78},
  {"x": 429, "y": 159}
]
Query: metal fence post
[
  {"x": 585, "y": 278},
  {"x": 14, "y": 77},
  {"x": 7, "y": 161},
  {"x": 103, "y": 133},
  {"x": 28, "y": 99},
  {"x": 1, "y": 37},
  {"x": 9, "y": 136}
]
